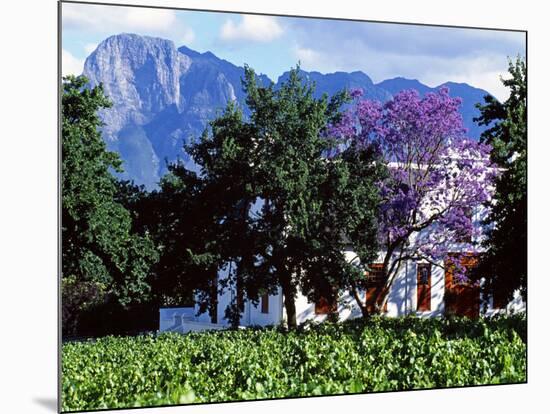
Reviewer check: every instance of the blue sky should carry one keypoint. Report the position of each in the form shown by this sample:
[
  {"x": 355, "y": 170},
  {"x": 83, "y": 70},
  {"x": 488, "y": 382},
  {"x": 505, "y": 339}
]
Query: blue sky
[{"x": 272, "y": 45}]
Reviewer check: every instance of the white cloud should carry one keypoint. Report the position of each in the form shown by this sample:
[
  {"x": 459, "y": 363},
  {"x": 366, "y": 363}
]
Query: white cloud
[
  {"x": 70, "y": 65},
  {"x": 431, "y": 55},
  {"x": 92, "y": 17},
  {"x": 112, "y": 19},
  {"x": 482, "y": 72},
  {"x": 308, "y": 58},
  {"x": 252, "y": 28},
  {"x": 489, "y": 81},
  {"x": 186, "y": 37},
  {"x": 148, "y": 19}
]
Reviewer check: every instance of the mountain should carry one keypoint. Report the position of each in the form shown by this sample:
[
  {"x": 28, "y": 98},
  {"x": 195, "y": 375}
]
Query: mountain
[
  {"x": 395, "y": 85},
  {"x": 164, "y": 96},
  {"x": 332, "y": 83},
  {"x": 470, "y": 97}
]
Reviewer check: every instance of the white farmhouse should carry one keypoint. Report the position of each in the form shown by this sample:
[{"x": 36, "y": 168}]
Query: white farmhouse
[{"x": 419, "y": 288}]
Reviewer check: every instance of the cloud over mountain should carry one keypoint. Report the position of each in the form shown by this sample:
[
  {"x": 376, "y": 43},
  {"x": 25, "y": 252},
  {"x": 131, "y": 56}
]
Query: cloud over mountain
[
  {"x": 251, "y": 28},
  {"x": 97, "y": 19}
]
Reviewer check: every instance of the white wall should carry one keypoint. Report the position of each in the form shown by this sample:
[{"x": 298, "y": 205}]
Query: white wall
[
  {"x": 224, "y": 299},
  {"x": 402, "y": 301},
  {"x": 516, "y": 305},
  {"x": 171, "y": 319},
  {"x": 252, "y": 314},
  {"x": 305, "y": 310},
  {"x": 402, "y": 298}
]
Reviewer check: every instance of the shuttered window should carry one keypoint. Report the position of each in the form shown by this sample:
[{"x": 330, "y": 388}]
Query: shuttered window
[
  {"x": 423, "y": 286},
  {"x": 376, "y": 281}
]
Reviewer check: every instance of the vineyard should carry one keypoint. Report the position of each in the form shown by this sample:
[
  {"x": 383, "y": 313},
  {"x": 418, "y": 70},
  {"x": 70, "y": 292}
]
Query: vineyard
[{"x": 330, "y": 358}]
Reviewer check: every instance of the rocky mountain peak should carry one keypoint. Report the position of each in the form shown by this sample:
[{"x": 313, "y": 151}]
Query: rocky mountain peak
[
  {"x": 140, "y": 74},
  {"x": 163, "y": 96}
]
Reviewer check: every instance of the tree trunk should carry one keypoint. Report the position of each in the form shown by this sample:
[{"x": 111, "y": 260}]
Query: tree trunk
[
  {"x": 365, "y": 312},
  {"x": 362, "y": 306},
  {"x": 213, "y": 305},
  {"x": 239, "y": 298},
  {"x": 290, "y": 307},
  {"x": 289, "y": 292},
  {"x": 243, "y": 264},
  {"x": 381, "y": 300}
]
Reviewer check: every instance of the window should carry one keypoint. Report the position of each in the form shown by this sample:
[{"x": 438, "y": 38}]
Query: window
[
  {"x": 376, "y": 287},
  {"x": 423, "y": 274},
  {"x": 264, "y": 303},
  {"x": 461, "y": 291},
  {"x": 423, "y": 286},
  {"x": 324, "y": 306},
  {"x": 375, "y": 277}
]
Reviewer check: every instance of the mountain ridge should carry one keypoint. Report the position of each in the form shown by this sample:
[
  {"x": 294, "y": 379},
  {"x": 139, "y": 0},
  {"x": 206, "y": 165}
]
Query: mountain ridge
[{"x": 164, "y": 95}]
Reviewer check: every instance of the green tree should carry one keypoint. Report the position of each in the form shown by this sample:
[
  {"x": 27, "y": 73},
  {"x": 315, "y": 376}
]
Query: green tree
[
  {"x": 255, "y": 217},
  {"x": 202, "y": 223},
  {"x": 228, "y": 160},
  {"x": 348, "y": 198},
  {"x": 504, "y": 265},
  {"x": 181, "y": 218},
  {"x": 102, "y": 258},
  {"x": 290, "y": 166},
  {"x": 262, "y": 175}
]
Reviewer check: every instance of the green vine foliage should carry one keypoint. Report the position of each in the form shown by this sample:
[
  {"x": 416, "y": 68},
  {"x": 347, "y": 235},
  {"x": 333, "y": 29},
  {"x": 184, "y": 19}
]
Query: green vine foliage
[{"x": 317, "y": 359}]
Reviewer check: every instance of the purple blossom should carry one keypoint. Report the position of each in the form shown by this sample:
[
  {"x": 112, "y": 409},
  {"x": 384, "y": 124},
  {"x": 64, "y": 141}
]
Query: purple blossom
[
  {"x": 437, "y": 178},
  {"x": 356, "y": 92}
]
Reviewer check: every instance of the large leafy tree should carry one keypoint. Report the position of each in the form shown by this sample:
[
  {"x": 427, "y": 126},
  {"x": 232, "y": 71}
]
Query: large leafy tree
[
  {"x": 202, "y": 222},
  {"x": 279, "y": 199},
  {"x": 180, "y": 217},
  {"x": 345, "y": 230},
  {"x": 102, "y": 258},
  {"x": 289, "y": 148},
  {"x": 436, "y": 178},
  {"x": 273, "y": 205},
  {"x": 504, "y": 265},
  {"x": 226, "y": 155},
  {"x": 287, "y": 203}
]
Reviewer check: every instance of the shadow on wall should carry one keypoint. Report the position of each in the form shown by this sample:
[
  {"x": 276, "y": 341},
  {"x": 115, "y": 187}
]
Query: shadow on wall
[
  {"x": 347, "y": 309},
  {"x": 178, "y": 322},
  {"x": 400, "y": 292},
  {"x": 401, "y": 302},
  {"x": 438, "y": 288},
  {"x": 404, "y": 293}
]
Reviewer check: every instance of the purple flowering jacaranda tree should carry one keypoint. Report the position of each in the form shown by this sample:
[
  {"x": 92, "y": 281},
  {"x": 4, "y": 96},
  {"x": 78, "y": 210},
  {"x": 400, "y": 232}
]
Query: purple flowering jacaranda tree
[{"x": 437, "y": 178}]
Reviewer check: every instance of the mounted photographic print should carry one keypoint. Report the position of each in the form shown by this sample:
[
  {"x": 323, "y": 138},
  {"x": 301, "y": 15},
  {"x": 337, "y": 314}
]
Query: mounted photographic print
[{"x": 263, "y": 207}]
